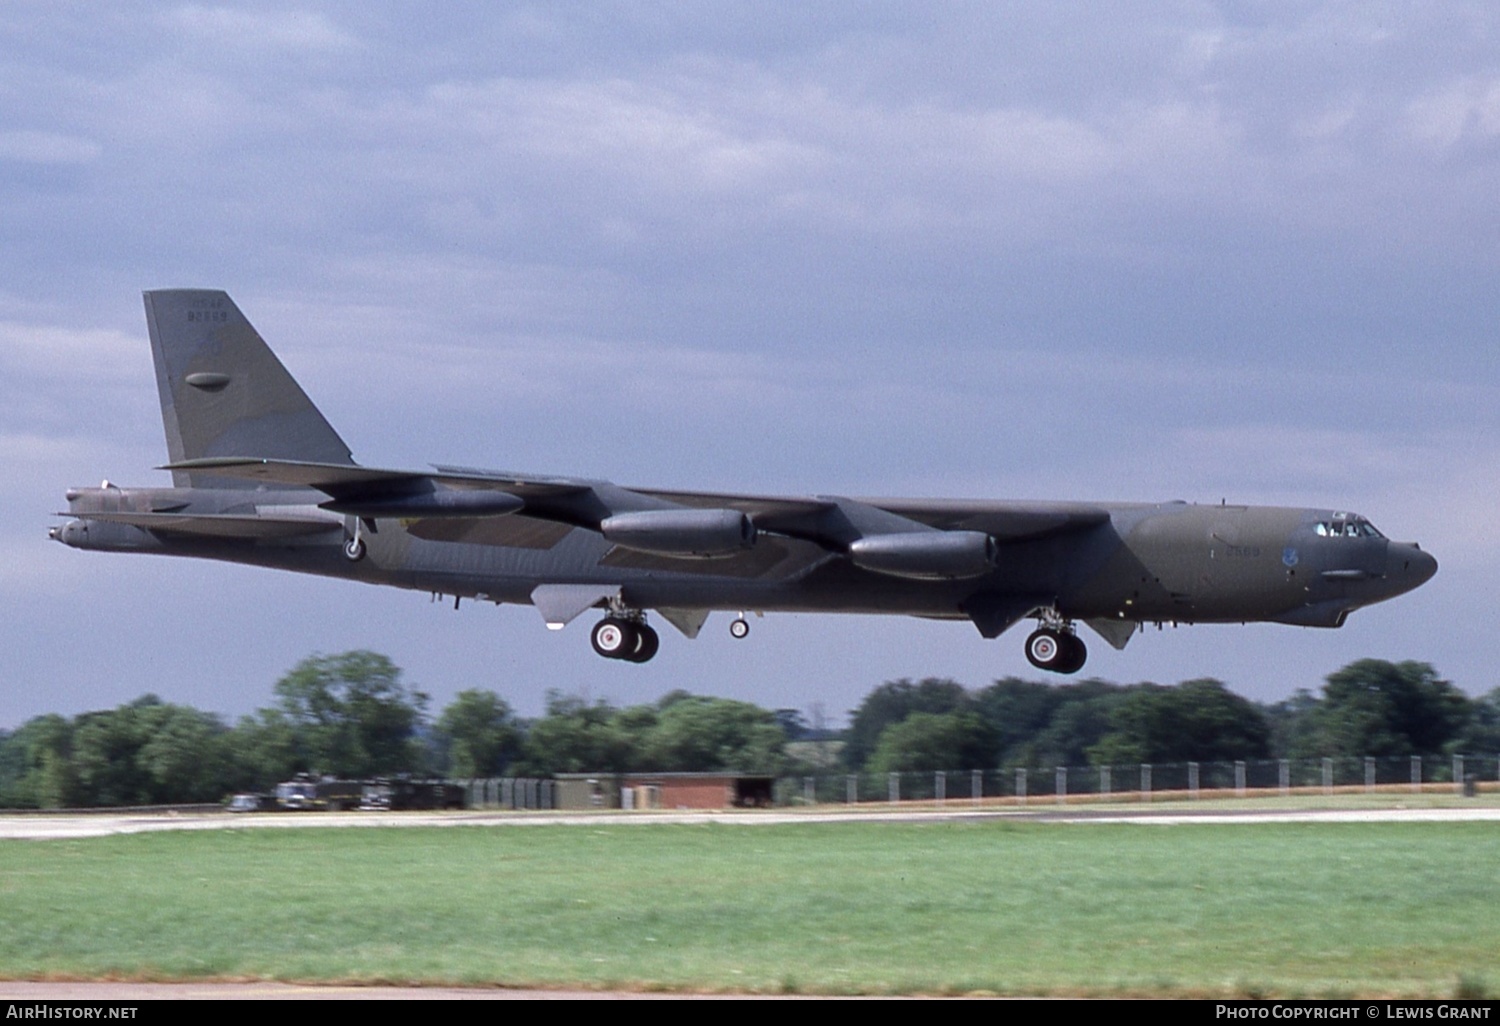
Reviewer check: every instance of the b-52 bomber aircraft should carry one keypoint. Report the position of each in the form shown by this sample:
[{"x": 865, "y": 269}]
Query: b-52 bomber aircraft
[{"x": 260, "y": 477}]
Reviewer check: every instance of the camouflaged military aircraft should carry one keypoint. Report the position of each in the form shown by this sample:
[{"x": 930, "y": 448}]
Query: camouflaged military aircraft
[{"x": 260, "y": 477}]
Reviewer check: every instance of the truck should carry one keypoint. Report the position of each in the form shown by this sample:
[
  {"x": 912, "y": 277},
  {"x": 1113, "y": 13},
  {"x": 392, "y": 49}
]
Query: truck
[{"x": 306, "y": 793}]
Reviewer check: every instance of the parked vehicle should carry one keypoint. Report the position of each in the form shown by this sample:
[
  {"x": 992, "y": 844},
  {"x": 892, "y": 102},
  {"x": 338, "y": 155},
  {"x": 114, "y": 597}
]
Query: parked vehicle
[{"x": 397, "y": 794}]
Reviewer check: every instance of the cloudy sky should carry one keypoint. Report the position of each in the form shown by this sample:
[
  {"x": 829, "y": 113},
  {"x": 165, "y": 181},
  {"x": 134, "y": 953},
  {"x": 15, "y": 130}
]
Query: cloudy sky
[{"x": 1051, "y": 250}]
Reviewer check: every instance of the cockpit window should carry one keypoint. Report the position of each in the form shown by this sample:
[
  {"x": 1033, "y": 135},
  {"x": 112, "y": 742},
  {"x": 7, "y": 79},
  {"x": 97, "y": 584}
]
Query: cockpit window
[{"x": 1347, "y": 528}]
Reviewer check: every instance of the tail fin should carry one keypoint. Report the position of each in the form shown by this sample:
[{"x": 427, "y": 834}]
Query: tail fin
[{"x": 224, "y": 393}]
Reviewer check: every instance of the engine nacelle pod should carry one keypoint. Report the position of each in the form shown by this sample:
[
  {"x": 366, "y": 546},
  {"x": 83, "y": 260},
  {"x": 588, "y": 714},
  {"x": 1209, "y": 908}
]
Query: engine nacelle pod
[
  {"x": 104, "y": 536},
  {"x": 682, "y": 532},
  {"x": 926, "y": 555}
]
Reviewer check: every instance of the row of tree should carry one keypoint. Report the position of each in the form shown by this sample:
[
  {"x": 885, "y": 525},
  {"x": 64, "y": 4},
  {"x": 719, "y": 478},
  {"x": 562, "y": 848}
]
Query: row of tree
[
  {"x": 351, "y": 715},
  {"x": 1368, "y": 708}
]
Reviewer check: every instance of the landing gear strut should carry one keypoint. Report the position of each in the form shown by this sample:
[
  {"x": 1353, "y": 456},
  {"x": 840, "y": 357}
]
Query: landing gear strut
[
  {"x": 354, "y": 546},
  {"x": 1056, "y": 649},
  {"x": 616, "y": 637}
]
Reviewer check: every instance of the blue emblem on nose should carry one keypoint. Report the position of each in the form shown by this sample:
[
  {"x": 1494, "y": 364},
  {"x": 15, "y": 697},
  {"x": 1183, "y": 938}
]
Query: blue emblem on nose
[{"x": 1289, "y": 556}]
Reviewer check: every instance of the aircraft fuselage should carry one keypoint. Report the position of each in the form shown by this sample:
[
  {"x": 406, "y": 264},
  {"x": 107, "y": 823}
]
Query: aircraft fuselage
[
  {"x": 1176, "y": 562},
  {"x": 260, "y": 477}
]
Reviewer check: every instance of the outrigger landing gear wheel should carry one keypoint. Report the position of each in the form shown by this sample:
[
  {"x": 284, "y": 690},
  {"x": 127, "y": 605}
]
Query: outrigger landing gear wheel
[
  {"x": 739, "y": 628},
  {"x": 354, "y": 550},
  {"x": 614, "y": 638}
]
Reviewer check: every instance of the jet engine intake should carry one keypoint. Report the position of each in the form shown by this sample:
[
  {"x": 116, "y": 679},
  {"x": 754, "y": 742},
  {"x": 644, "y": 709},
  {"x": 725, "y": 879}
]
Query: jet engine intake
[
  {"x": 926, "y": 555},
  {"x": 682, "y": 532}
]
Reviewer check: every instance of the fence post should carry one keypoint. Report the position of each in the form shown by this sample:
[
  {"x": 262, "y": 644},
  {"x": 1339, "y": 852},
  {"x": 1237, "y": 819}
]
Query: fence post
[
  {"x": 1239, "y": 778},
  {"x": 976, "y": 785},
  {"x": 1369, "y": 773},
  {"x": 1193, "y": 781},
  {"x": 1145, "y": 781},
  {"x": 893, "y": 786},
  {"x": 1416, "y": 773},
  {"x": 1021, "y": 785},
  {"x": 1284, "y": 776},
  {"x": 1061, "y": 784},
  {"x": 851, "y": 788},
  {"x": 1104, "y": 781},
  {"x": 1327, "y": 775},
  {"x": 940, "y": 785},
  {"x": 1458, "y": 774}
]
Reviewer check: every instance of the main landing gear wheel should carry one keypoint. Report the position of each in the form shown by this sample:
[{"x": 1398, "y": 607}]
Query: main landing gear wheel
[
  {"x": 646, "y": 645},
  {"x": 1056, "y": 651},
  {"x": 614, "y": 638}
]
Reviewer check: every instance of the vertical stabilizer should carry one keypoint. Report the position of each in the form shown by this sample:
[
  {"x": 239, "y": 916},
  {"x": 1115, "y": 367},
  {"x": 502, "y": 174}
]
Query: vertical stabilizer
[{"x": 224, "y": 393}]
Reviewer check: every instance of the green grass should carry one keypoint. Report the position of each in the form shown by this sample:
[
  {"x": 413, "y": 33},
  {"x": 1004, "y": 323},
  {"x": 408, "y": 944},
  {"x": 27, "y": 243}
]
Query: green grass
[{"x": 1300, "y": 909}]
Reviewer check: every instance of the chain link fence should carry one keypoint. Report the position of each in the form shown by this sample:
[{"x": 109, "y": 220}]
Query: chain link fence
[{"x": 1020, "y": 785}]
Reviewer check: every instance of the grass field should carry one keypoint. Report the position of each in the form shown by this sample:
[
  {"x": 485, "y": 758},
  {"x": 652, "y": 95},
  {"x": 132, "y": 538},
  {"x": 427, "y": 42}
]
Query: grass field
[{"x": 1377, "y": 909}]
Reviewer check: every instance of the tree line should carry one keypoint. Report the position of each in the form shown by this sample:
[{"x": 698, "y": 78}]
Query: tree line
[
  {"x": 1369, "y": 708},
  {"x": 352, "y": 715}
]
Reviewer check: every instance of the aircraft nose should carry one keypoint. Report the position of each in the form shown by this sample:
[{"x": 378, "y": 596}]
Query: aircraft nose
[{"x": 1409, "y": 565}]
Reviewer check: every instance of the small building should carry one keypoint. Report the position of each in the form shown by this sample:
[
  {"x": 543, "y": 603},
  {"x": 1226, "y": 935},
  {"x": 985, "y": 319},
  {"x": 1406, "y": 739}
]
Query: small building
[
  {"x": 588, "y": 790},
  {"x": 663, "y": 790}
]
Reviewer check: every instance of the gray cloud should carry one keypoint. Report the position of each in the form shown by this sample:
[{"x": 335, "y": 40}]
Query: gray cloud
[{"x": 1196, "y": 250}]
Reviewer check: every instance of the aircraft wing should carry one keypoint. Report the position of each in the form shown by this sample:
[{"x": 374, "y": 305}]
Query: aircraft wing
[
  {"x": 918, "y": 538},
  {"x": 1003, "y": 521},
  {"x": 573, "y": 501}
]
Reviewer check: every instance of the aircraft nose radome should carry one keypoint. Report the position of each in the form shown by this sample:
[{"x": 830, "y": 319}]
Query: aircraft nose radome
[{"x": 1412, "y": 566}]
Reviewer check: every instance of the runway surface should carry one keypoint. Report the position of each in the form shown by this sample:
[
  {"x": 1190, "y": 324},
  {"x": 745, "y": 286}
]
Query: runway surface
[{"x": 55, "y": 826}]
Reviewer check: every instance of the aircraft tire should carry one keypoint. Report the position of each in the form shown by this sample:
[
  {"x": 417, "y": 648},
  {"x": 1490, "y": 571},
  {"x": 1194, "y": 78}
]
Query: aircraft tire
[
  {"x": 739, "y": 628},
  {"x": 1075, "y": 654},
  {"x": 354, "y": 550},
  {"x": 1045, "y": 649},
  {"x": 614, "y": 638},
  {"x": 648, "y": 642}
]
